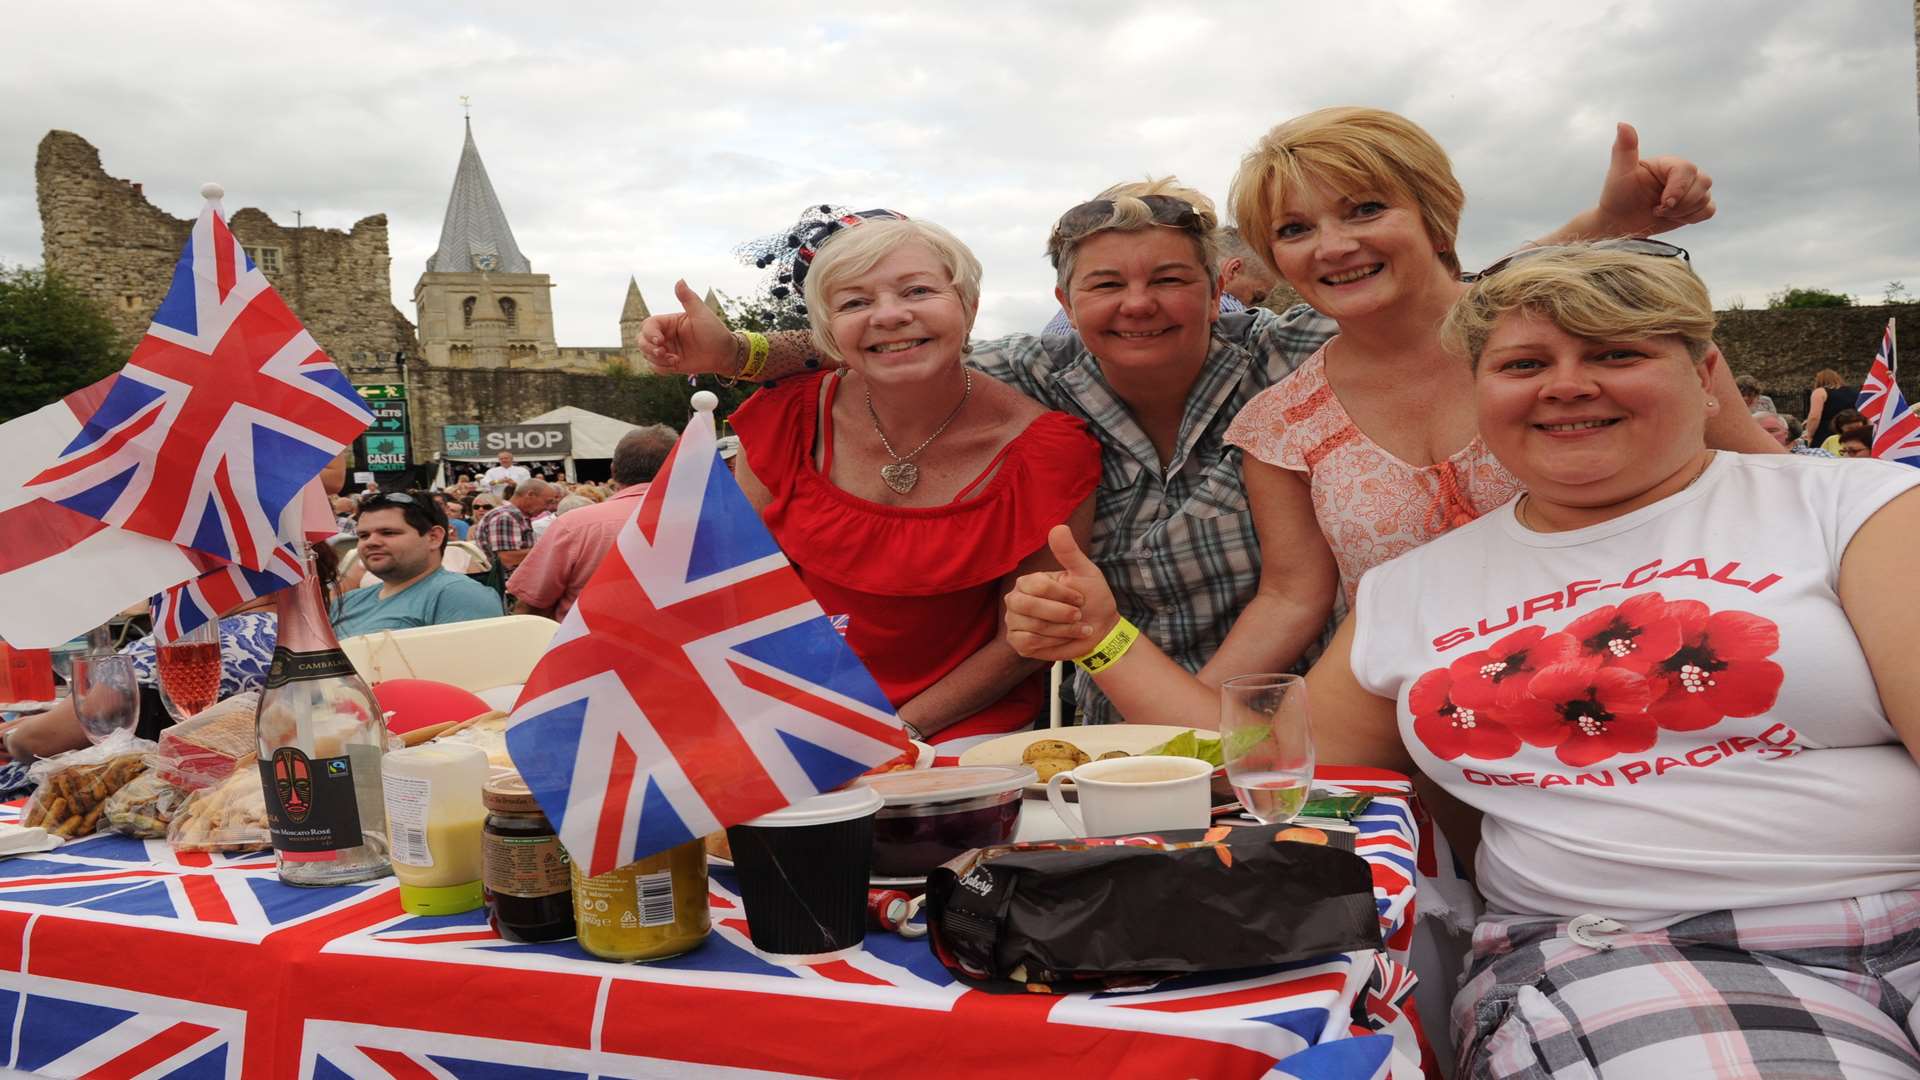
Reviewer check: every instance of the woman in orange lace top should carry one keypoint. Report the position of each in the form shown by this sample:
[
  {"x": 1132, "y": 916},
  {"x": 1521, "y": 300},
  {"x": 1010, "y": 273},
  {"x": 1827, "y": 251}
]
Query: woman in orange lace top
[{"x": 1375, "y": 434}]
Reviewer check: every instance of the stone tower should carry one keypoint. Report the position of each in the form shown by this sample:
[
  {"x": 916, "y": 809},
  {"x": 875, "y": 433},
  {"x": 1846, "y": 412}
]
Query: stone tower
[
  {"x": 480, "y": 303},
  {"x": 632, "y": 314}
]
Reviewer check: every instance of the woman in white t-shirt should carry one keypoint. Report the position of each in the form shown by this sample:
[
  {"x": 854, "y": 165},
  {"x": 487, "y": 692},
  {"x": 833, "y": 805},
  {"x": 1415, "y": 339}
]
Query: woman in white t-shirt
[{"x": 1680, "y": 685}]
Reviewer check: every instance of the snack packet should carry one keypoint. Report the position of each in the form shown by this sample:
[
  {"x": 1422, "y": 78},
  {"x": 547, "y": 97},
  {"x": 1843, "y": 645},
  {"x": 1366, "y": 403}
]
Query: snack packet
[
  {"x": 1073, "y": 915},
  {"x": 200, "y": 751},
  {"x": 144, "y": 806},
  {"x": 71, "y": 792},
  {"x": 229, "y": 816}
]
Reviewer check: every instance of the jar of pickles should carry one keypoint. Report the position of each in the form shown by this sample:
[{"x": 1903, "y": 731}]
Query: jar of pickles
[
  {"x": 528, "y": 887},
  {"x": 648, "y": 910}
]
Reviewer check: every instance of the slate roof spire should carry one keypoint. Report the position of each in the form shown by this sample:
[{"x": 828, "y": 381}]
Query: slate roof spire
[
  {"x": 475, "y": 236},
  {"x": 635, "y": 309}
]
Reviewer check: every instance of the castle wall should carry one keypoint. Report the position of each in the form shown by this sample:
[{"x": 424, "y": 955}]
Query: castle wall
[
  {"x": 1783, "y": 349},
  {"x": 102, "y": 234}
]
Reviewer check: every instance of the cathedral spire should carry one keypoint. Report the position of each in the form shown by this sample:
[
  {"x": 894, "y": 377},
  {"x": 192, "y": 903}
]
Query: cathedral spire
[
  {"x": 475, "y": 236},
  {"x": 635, "y": 309}
]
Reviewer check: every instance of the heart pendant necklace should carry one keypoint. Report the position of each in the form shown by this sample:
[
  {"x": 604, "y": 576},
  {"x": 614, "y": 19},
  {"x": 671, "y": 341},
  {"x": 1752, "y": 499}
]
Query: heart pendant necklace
[{"x": 903, "y": 473}]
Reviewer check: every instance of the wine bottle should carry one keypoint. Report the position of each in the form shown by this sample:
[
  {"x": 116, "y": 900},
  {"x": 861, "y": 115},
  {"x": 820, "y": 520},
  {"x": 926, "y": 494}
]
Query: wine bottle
[{"x": 321, "y": 740}]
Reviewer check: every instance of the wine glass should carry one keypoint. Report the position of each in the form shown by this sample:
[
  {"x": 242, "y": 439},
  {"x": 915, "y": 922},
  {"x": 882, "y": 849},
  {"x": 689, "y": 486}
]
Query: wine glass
[
  {"x": 188, "y": 671},
  {"x": 1266, "y": 739},
  {"x": 105, "y": 696}
]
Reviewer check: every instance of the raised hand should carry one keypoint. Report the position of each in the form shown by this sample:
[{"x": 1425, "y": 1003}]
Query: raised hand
[
  {"x": 1643, "y": 196},
  {"x": 1060, "y": 614},
  {"x": 692, "y": 342}
]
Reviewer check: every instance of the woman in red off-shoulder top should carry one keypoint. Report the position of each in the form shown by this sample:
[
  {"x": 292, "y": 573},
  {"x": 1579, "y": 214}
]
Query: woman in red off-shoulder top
[{"x": 909, "y": 490}]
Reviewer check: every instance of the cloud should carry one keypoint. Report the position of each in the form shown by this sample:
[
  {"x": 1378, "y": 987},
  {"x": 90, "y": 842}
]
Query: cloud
[{"x": 647, "y": 141}]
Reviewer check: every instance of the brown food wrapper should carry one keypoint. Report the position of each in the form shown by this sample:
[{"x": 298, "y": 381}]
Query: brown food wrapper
[{"x": 1072, "y": 915}]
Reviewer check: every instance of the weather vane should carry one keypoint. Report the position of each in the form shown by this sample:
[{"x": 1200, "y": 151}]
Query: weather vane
[{"x": 466, "y": 106}]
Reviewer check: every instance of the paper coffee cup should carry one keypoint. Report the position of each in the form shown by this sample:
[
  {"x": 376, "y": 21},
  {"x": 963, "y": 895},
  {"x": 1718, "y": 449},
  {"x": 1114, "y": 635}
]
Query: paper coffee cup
[{"x": 803, "y": 875}]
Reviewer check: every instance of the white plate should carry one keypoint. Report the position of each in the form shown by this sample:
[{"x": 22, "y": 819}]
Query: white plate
[{"x": 1094, "y": 740}]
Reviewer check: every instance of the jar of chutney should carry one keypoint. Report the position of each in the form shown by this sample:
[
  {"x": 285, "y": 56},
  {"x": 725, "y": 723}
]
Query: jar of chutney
[
  {"x": 529, "y": 887},
  {"x": 648, "y": 910}
]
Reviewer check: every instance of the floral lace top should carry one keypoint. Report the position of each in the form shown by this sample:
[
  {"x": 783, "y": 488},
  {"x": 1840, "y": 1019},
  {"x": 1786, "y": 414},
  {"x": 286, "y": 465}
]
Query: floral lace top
[{"x": 1371, "y": 505}]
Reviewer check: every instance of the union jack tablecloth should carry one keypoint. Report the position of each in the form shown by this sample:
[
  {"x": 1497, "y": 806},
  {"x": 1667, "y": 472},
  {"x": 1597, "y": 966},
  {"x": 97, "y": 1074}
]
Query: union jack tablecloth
[{"x": 119, "y": 958}]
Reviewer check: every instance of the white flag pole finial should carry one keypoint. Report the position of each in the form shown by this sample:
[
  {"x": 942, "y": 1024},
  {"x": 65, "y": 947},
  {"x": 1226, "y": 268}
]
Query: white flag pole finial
[
  {"x": 212, "y": 192},
  {"x": 706, "y": 401}
]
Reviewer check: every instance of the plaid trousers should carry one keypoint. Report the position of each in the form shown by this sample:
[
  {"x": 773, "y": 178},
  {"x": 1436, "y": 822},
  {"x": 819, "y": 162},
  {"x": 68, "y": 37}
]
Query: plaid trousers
[{"x": 1823, "y": 989}]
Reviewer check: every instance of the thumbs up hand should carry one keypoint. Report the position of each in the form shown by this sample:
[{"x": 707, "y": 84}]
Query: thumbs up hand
[
  {"x": 1643, "y": 196},
  {"x": 691, "y": 342},
  {"x": 1060, "y": 614}
]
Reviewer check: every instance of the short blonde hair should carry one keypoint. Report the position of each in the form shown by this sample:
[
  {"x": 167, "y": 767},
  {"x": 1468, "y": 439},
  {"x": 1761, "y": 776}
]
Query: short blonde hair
[
  {"x": 1590, "y": 292},
  {"x": 853, "y": 251},
  {"x": 1130, "y": 214},
  {"x": 1350, "y": 149}
]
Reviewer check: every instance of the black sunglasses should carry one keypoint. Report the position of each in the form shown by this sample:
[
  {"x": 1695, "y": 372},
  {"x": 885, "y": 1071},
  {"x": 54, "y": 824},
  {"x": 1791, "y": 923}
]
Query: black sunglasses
[
  {"x": 1635, "y": 245},
  {"x": 1089, "y": 216}
]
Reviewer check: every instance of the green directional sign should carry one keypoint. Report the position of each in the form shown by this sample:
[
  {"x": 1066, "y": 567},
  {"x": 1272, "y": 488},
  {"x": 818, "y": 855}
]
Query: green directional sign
[{"x": 383, "y": 392}]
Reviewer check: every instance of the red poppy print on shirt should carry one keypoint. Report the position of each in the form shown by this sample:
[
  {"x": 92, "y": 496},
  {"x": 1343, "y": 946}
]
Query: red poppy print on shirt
[
  {"x": 1451, "y": 730},
  {"x": 1586, "y": 712},
  {"x": 1720, "y": 669},
  {"x": 1496, "y": 677},
  {"x": 1607, "y": 684},
  {"x": 1635, "y": 635}
]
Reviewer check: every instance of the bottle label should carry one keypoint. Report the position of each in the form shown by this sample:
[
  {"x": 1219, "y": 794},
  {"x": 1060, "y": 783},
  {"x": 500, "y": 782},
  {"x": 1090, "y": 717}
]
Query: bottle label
[
  {"x": 311, "y": 808},
  {"x": 526, "y": 866},
  {"x": 408, "y": 798},
  {"x": 289, "y": 666}
]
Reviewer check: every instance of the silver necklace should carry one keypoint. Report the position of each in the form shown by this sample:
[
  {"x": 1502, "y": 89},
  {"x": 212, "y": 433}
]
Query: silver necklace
[
  {"x": 1522, "y": 510},
  {"x": 903, "y": 473}
]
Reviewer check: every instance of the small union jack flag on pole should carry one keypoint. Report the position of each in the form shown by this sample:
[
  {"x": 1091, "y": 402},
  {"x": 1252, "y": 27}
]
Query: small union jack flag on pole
[
  {"x": 1896, "y": 425},
  {"x": 695, "y": 684},
  {"x": 225, "y": 411},
  {"x": 1876, "y": 388}
]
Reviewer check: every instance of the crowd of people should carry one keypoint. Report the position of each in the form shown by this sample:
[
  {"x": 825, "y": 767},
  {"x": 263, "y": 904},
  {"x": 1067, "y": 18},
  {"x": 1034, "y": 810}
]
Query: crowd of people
[{"x": 1653, "y": 662}]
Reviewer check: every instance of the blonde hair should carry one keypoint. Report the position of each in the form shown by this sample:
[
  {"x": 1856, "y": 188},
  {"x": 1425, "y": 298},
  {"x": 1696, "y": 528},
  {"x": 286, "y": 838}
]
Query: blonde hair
[
  {"x": 1132, "y": 215},
  {"x": 854, "y": 251},
  {"x": 1350, "y": 149},
  {"x": 1828, "y": 378},
  {"x": 1589, "y": 292}
]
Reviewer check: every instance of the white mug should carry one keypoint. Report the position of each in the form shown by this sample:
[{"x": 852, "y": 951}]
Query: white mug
[{"x": 1123, "y": 796}]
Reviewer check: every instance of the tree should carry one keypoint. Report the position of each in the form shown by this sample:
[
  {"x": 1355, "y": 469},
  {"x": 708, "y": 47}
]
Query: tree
[
  {"x": 53, "y": 340},
  {"x": 763, "y": 313},
  {"x": 1897, "y": 293},
  {"x": 1807, "y": 298}
]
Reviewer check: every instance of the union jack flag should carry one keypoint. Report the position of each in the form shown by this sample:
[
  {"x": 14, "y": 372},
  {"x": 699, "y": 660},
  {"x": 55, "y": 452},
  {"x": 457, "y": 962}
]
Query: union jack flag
[
  {"x": 120, "y": 958},
  {"x": 192, "y": 604},
  {"x": 1875, "y": 388},
  {"x": 1896, "y": 427},
  {"x": 226, "y": 409},
  {"x": 695, "y": 684}
]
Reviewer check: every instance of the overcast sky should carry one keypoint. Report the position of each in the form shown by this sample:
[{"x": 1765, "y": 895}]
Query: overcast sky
[{"x": 647, "y": 140}]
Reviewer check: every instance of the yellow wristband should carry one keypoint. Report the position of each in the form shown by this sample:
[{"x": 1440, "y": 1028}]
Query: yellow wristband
[
  {"x": 1112, "y": 647},
  {"x": 757, "y": 349}
]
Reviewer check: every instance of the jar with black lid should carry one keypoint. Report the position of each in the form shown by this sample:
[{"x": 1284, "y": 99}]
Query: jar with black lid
[{"x": 529, "y": 883}]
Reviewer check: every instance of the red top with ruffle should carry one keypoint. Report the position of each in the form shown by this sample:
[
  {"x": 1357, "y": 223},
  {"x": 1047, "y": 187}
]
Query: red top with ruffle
[{"x": 919, "y": 585}]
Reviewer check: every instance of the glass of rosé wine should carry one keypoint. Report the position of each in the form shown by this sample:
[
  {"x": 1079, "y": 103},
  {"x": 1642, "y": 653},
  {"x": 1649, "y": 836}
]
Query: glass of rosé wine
[{"x": 188, "y": 669}]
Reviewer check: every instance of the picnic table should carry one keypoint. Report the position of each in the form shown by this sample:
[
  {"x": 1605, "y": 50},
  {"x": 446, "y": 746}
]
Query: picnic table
[{"x": 120, "y": 958}]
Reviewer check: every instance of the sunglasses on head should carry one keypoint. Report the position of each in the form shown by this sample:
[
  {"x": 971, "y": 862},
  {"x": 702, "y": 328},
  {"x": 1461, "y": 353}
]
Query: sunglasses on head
[
  {"x": 1089, "y": 216},
  {"x": 398, "y": 498},
  {"x": 1634, "y": 245}
]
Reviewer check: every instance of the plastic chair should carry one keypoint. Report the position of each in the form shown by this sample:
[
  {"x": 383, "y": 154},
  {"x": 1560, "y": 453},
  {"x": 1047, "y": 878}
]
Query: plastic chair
[{"x": 476, "y": 655}]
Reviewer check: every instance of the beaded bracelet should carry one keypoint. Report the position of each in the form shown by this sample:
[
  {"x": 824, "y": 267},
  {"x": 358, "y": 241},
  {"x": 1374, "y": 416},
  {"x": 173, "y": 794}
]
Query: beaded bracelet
[{"x": 1111, "y": 648}]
